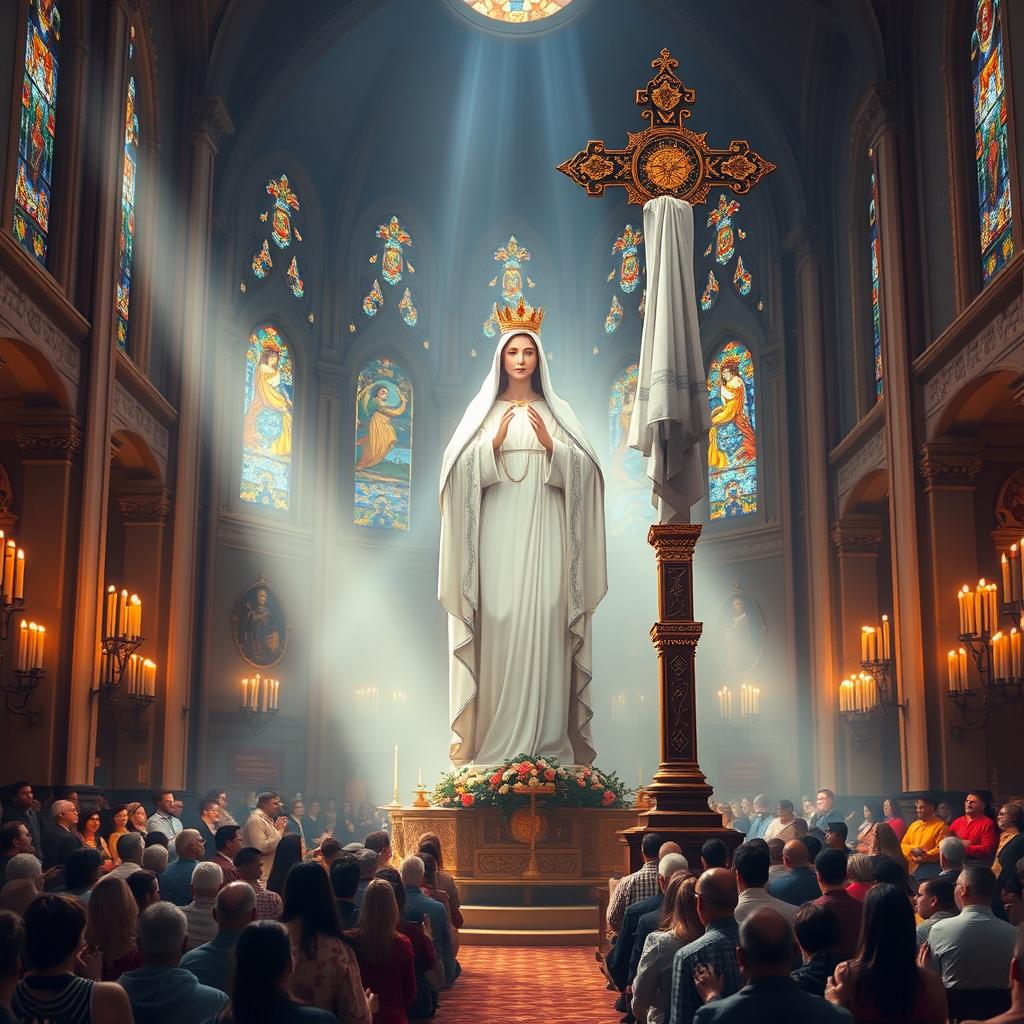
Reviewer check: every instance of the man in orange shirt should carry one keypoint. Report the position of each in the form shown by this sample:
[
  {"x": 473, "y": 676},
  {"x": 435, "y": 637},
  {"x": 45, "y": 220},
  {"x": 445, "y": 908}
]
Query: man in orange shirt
[{"x": 920, "y": 843}]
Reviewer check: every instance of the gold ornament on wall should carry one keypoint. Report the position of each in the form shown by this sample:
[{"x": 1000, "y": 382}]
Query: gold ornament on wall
[{"x": 667, "y": 158}]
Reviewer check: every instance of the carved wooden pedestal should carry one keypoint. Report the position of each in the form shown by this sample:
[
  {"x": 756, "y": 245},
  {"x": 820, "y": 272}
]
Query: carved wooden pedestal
[{"x": 679, "y": 790}]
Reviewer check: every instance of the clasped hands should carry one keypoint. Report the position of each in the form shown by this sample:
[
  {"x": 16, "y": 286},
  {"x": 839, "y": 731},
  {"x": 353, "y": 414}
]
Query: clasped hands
[{"x": 539, "y": 428}]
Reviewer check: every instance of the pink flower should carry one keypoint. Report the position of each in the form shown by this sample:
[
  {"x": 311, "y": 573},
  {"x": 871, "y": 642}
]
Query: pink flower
[
  {"x": 550, "y": 775},
  {"x": 524, "y": 769},
  {"x": 467, "y": 799},
  {"x": 607, "y": 798},
  {"x": 587, "y": 771},
  {"x": 581, "y": 783}
]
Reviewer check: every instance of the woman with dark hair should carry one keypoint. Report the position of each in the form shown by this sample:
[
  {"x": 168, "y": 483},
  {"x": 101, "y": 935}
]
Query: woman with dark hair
[
  {"x": 89, "y": 830},
  {"x": 287, "y": 854},
  {"x": 873, "y": 817},
  {"x": 883, "y": 981},
  {"x": 144, "y": 886},
  {"x": 326, "y": 973},
  {"x": 424, "y": 958},
  {"x": 221, "y": 797},
  {"x": 432, "y": 841},
  {"x": 652, "y": 986},
  {"x": 894, "y": 815},
  {"x": 385, "y": 955},
  {"x": 119, "y": 827},
  {"x": 263, "y": 973}
]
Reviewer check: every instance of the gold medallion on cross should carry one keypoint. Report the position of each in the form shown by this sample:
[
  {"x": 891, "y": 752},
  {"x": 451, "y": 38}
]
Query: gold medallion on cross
[{"x": 666, "y": 158}]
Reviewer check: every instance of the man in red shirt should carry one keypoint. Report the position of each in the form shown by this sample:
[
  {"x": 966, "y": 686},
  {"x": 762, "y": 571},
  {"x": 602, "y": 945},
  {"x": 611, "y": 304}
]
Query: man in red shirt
[{"x": 977, "y": 831}]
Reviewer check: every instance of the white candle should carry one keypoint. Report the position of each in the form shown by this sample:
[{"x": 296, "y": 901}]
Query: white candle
[
  {"x": 396, "y": 773},
  {"x": 886, "y": 639},
  {"x": 23, "y": 646},
  {"x": 419, "y": 778},
  {"x": 33, "y": 640},
  {"x": 111, "y": 620},
  {"x": 40, "y": 642},
  {"x": 19, "y": 576},
  {"x": 122, "y": 614},
  {"x": 962, "y": 667},
  {"x": 10, "y": 553},
  {"x": 245, "y": 693}
]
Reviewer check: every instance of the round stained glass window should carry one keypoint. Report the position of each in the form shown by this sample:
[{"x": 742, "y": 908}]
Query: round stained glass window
[{"x": 517, "y": 12}]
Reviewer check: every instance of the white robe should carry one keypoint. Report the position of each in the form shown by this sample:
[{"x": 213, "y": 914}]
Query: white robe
[{"x": 522, "y": 567}]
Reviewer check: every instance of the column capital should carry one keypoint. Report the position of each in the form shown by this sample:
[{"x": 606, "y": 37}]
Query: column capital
[
  {"x": 145, "y": 507},
  {"x": 57, "y": 439},
  {"x": 860, "y": 535},
  {"x": 949, "y": 465},
  {"x": 209, "y": 117},
  {"x": 803, "y": 241},
  {"x": 879, "y": 110}
]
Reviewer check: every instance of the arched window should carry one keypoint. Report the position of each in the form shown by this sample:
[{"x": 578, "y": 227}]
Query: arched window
[
  {"x": 267, "y": 421},
  {"x": 876, "y": 309},
  {"x": 732, "y": 441},
  {"x": 628, "y": 499},
  {"x": 126, "y": 235},
  {"x": 33, "y": 184},
  {"x": 383, "y": 450},
  {"x": 991, "y": 138}
]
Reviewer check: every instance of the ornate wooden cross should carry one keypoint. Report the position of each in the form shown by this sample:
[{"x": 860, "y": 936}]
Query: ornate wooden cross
[{"x": 666, "y": 158}]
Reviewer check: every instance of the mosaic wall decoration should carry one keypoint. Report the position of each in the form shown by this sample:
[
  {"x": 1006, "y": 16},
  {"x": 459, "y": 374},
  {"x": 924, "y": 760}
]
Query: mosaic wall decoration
[
  {"x": 33, "y": 181},
  {"x": 732, "y": 442},
  {"x": 627, "y": 486},
  {"x": 267, "y": 422},
  {"x": 383, "y": 449},
  {"x": 722, "y": 249},
  {"x": 283, "y": 233},
  {"x": 392, "y": 262},
  {"x": 126, "y": 234},
  {"x": 876, "y": 309},
  {"x": 991, "y": 138}
]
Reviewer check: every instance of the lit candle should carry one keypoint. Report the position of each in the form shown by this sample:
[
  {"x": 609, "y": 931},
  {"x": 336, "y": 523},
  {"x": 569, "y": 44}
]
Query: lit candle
[
  {"x": 133, "y": 674},
  {"x": 1004, "y": 566},
  {"x": 886, "y": 639},
  {"x": 33, "y": 640},
  {"x": 149, "y": 682},
  {"x": 419, "y": 778},
  {"x": 122, "y": 614},
  {"x": 962, "y": 667},
  {"x": 40, "y": 643},
  {"x": 10, "y": 553},
  {"x": 395, "y": 796},
  {"x": 963, "y": 611},
  {"x": 1015, "y": 653},
  {"x": 135, "y": 617},
  {"x": 277, "y": 694},
  {"x": 951, "y": 665},
  {"x": 1016, "y": 571},
  {"x": 863, "y": 643},
  {"x": 23, "y": 646},
  {"x": 858, "y": 693},
  {"x": 245, "y": 693},
  {"x": 111, "y": 622},
  {"x": 19, "y": 576}
]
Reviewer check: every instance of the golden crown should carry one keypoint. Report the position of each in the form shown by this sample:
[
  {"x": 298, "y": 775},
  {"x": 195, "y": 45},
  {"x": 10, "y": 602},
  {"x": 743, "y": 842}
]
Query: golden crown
[{"x": 522, "y": 318}]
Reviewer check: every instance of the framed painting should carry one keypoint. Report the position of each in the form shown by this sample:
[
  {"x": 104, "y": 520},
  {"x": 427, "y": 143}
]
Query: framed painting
[
  {"x": 742, "y": 629},
  {"x": 258, "y": 625}
]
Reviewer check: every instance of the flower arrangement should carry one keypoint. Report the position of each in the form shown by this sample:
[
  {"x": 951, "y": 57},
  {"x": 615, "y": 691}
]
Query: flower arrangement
[{"x": 493, "y": 787}]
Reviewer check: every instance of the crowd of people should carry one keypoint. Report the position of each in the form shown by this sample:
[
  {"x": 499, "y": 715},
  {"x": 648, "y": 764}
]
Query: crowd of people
[
  {"x": 827, "y": 917},
  {"x": 123, "y": 914}
]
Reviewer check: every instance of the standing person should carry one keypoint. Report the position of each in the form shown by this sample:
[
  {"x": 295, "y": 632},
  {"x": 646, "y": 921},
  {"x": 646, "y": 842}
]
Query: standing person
[
  {"x": 14, "y": 839},
  {"x": 176, "y": 880},
  {"x": 825, "y": 810},
  {"x": 287, "y": 854},
  {"x": 873, "y": 816},
  {"x": 885, "y": 844},
  {"x": 326, "y": 973},
  {"x": 1010, "y": 848},
  {"x": 225, "y": 817},
  {"x": 830, "y": 867},
  {"x": 145, "y": 888},
  {"x": 22, "y": 808},
  {"x": 263, "y": 980},
  {"x": 293, "y": 825},
  {"x": 860, "y": 869},
  {"x": 163, "y": 819},
  {"x": 894, "y": 816},
  {"x": 944, "y": 809},
  {"x": 344, "y": 874},
  {"x": 112, "y": 919},
  {"x": 249, "y": 863},
  {"x": 640, "y": 885},
  {"x": 207, "y": 880},
  {"x": 652, "y": 984},
  {"x": 209, "y": 822},
  {"x": 384, "y": 955},
  {"x": 920, "y": 843},
  {"x": 835, "y": 835},
  {"x": 883, "y": 982},
  {"x": 51, "y": 990},
  {"x": 518, "y": 479},
  {"x": 976, "y": 830},
  {"x": 799, "y": 884},
  {"x": 227, "y": 841},
  {"x": 89, "y": 830},
  {"x": 129, "y": 854},
  {"x": 751, "y": 862},
  {"x": 265, "y": 827},
  {"x": 313, "y": 823},
  {"x": 716, "y": 948}
]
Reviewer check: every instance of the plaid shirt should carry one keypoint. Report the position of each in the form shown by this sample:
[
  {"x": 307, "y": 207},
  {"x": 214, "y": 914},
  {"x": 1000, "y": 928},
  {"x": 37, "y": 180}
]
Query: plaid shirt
[
  {"x": 631, "y": 889},
  {"x": 268, "y": 904},
  {"x": 716, "y": 948}
]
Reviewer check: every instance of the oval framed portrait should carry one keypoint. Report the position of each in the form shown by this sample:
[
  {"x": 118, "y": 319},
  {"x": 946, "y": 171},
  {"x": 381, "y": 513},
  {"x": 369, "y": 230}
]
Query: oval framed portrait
[
  {"x": 743, "y": 630},
  {"x": 258, "y": 625}
]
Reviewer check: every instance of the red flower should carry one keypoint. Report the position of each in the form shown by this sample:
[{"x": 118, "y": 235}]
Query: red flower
[
  {"x": 607, "y": 798},
  {"x": 467, "y": 799},
  {"x": 496, "y": 779},
  {"x": 550, "y": 775},
  {"x": 524, "y": 769},
  {"x": 586, "y": 771}
]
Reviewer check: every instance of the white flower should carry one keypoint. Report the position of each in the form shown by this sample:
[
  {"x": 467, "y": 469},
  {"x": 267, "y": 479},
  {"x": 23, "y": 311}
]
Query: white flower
[
  {"x": 533, "y": 780},
  {"x": 503, "y": 790}
]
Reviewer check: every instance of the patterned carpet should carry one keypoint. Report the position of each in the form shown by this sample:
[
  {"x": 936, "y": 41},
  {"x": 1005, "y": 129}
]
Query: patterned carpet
[{"x": 528, "y": 985}]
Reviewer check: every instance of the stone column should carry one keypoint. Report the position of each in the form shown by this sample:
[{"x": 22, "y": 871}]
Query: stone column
[
  {"x": 881, "y": 116},
  {"x": 856, "y": 540},
  {"x": 49, "y": 447},
  {"x": 109, "y": 142},
  {"x": 815, "y": 512},
  {"x": 209, "y": 121},
  {"x": 948, "y": 470}
]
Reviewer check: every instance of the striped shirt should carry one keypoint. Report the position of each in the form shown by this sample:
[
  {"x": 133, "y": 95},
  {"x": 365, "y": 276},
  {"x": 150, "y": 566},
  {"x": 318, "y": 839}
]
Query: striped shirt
[{"x": 44, "y": 999}]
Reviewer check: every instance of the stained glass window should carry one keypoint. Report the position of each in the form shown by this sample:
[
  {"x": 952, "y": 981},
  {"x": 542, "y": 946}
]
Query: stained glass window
[
  {"x": 517, "y": 12},
  {"x": 126, "y": 235},
  {"x": 284, "y": 233},
  {"x": 722, "y": 249},
  {"x": 383, "y": 467},
  {"x": 391, "y": 261},
  {"x": 267, "y": 423},
  {"x": 991, "y": 138},
  {"x": 876, "y": 309},
  {"x": 628, "y": 489},
  {"x": 511, "y": 256},
  {"x": 33, "y": 184},
  {"x": 732, "y": 442}
]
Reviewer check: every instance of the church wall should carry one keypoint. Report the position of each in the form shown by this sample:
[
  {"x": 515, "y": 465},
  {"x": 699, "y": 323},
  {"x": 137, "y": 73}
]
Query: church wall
[{"x": 10, "y": 15}]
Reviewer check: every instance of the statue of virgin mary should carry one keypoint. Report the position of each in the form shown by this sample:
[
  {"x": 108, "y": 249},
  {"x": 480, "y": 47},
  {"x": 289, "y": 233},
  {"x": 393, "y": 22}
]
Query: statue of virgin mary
[{"x": 522, "y": 563}]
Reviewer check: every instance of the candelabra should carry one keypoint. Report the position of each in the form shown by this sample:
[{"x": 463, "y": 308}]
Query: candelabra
[
  {"x": 31, "y": 637},
  {"x": 740, "y": 725},
  {"x": 126, "y": 687},
  {"x": 261, "y": 701},
  {"x": 869, "y": 699}
]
